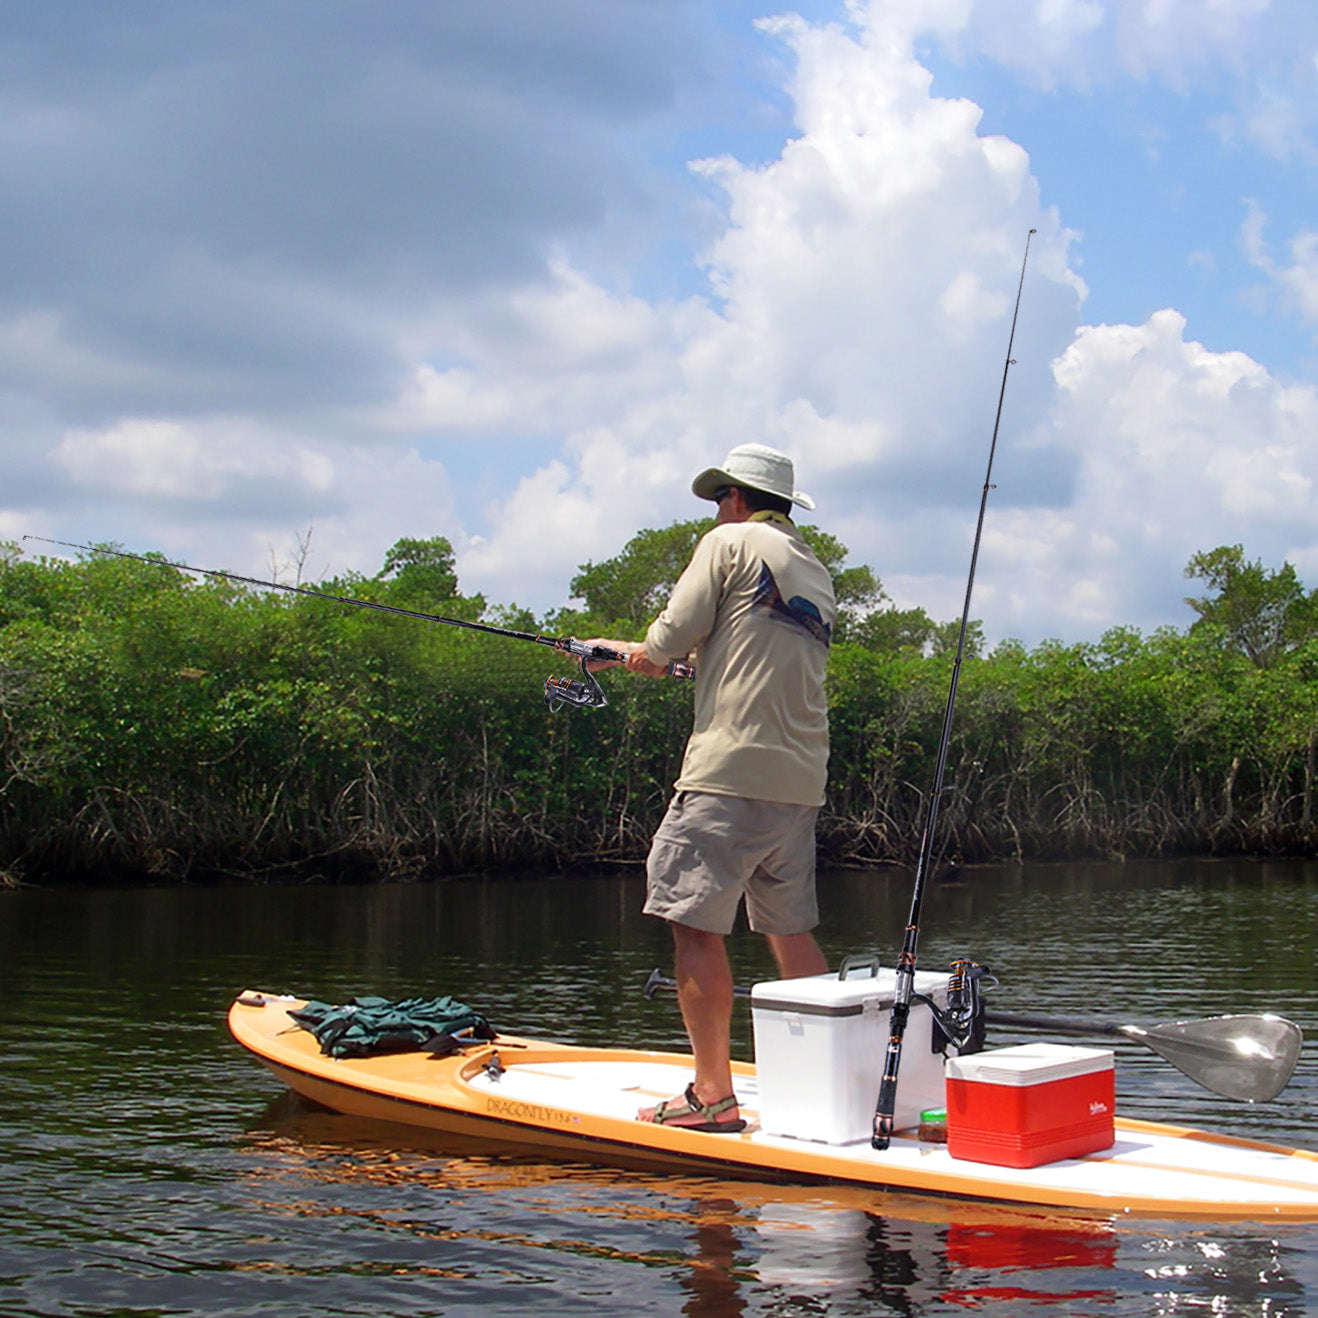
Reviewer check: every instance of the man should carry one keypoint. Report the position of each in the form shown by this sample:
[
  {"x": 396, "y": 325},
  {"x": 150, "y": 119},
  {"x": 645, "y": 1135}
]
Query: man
[{"x": 755, "y": 608}]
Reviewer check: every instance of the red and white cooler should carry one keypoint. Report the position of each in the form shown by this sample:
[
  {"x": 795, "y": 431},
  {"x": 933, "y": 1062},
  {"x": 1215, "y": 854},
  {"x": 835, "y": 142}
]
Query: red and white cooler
[{"x": 1031, "y": 1104}]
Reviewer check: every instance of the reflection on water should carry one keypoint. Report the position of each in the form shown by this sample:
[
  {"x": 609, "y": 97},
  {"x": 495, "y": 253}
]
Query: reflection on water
[
  {"x": 732, "y": 1245},
  {"x": 148, "y": 1167},
  {"x": 741, "y": 1248}
]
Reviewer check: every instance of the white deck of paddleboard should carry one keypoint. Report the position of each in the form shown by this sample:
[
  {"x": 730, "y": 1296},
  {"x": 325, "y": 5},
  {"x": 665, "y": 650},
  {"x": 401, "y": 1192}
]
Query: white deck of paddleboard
[{"x": 1138, "y": 1166}]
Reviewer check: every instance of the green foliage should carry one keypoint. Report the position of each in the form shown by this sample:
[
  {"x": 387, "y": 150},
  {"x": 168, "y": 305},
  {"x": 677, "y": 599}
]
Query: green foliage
[
  {"x": 945, "y": 636},
  {"x": 1261, "y": 613},
  {"x": 420, "y": 574},
  {"x": 887, "y": 630},
  {"x": 154, "y": 724},
  {"x": 424, "y": 566},
  {"x": 633, "y": 585}
]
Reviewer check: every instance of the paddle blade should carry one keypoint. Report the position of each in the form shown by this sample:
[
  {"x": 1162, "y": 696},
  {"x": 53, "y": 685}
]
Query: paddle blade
[{"x": 1249, "y": 1058}]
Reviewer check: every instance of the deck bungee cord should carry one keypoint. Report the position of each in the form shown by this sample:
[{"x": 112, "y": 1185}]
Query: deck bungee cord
[{"x": 584, "y": 692}]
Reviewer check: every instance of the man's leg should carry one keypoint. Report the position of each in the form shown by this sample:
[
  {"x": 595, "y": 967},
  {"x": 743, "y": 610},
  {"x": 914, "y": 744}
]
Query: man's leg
[
  {"x": 796, "y": 955},
  {"x": 780, "y": 893},
  {"x": 704, "y": 991}
]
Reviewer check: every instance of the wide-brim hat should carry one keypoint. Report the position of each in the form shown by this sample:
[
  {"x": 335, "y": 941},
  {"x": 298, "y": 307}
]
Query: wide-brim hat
[{"x": 757, "y": 467}]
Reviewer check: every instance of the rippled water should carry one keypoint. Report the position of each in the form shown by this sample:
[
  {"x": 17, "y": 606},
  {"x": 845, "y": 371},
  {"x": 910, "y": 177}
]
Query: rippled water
[{"x": 147, "y": 1167}]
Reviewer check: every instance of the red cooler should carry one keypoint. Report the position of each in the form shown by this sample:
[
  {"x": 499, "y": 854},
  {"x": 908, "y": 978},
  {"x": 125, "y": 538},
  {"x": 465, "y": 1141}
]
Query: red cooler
[{"x": 1035, "y": 1103}]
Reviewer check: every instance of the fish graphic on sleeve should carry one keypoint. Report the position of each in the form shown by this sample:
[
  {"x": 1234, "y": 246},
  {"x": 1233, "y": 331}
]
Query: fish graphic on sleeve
[{"x": 798, "y": 611}]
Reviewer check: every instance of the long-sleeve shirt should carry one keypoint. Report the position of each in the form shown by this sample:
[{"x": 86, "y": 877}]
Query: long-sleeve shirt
[{"x": 756, "y": 609}]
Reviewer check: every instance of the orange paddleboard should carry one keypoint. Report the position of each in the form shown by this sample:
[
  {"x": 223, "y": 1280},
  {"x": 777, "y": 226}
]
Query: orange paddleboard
[{"x": 582, "y": 1102}]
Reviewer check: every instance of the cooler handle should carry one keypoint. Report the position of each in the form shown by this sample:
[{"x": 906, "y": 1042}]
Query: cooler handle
[{"x": 858, "y": 961}]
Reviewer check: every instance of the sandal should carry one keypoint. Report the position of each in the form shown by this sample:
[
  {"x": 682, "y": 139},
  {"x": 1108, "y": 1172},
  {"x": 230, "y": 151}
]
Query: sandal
[{"x": 676, "y": 1112}]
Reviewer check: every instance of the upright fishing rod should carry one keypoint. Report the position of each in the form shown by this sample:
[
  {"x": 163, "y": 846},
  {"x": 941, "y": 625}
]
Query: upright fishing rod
[
  {"x": 582, "y": 693},
  {"x": 905, "y": 985}
]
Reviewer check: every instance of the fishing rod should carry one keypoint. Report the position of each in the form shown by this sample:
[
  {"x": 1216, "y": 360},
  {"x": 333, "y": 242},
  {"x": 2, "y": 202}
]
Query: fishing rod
[
  {"x": 581, "y": 693},
  {"x": 905, "y": 986}
]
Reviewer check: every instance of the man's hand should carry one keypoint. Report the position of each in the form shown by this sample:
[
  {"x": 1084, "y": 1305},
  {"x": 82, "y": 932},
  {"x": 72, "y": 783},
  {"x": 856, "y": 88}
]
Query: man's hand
[
  {"x": 637, "y": 660},
  {"x": 640, "y": 662},
  {"x": 622, "y": 647}
]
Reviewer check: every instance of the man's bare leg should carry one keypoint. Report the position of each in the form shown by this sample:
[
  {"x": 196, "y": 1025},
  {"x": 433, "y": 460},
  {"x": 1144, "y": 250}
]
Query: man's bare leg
[
  {"x": 704, "y": 992},
  {"x": 796, "y": 955}
]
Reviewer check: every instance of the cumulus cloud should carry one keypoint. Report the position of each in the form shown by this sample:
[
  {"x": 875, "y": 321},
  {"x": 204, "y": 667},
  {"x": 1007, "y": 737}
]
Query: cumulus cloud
[
  {"x": 165, "y": 460},
  {"x": 553, "y": 356},
  {"x": 223, "y": 492},
  {"x": 1257, "y": 54},
  {"x": 1183, "y": 449},
  {"x": 1081, "y": 42},
  {"x": 262, "y": 218},
  {"x": 874, "y": 260}
]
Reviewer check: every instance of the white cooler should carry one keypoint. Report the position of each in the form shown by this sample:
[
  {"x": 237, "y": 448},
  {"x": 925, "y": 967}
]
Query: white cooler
[{"x": 820, "y": 1045}]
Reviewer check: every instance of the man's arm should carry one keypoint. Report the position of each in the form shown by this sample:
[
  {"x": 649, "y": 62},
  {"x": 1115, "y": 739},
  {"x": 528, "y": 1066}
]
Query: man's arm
[{"x": 686, "y": 618}]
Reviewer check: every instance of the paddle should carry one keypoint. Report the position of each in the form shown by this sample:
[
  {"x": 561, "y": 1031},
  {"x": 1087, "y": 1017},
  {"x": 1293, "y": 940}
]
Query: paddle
[{"x": 1246, "y": 1058}]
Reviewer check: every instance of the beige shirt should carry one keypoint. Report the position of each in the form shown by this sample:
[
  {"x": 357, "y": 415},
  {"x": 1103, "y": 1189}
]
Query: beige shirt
[{"x": 755, "y": 607}]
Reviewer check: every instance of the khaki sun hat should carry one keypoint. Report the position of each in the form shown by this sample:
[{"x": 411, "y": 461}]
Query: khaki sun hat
[{"x": 757, "y": 467}]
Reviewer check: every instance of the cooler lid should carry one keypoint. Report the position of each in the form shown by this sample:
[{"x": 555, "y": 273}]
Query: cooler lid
[
  {"x": 1029, "y": 1064},
  {"x": 827, "y": 995}
]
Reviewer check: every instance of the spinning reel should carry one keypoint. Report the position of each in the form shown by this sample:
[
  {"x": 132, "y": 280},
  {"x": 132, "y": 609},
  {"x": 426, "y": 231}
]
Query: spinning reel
[
  {"x": 961, "y": 1022},
  {"x": 582, "y": 693}
]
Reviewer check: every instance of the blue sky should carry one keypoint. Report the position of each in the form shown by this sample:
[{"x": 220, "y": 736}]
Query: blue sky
[
  {"x": 511, "y": 274},
  {"x": 1159, "y": 198}
]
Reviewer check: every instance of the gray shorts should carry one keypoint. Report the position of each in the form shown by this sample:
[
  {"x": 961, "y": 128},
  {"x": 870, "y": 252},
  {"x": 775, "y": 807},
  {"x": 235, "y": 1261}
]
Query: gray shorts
[{"x": 711, "y": 850}]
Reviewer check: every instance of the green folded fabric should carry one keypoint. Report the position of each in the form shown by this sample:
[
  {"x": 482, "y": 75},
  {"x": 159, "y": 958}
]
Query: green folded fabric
[{"x": 367, "y": 1025}]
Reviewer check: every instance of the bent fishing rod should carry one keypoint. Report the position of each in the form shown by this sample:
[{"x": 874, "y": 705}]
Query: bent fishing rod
[
  {"x": 905, "y": 984},
  {"x": 581, "y": 693}
]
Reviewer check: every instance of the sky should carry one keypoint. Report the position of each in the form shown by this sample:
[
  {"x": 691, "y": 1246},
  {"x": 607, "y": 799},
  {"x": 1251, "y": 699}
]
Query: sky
[{"x": 286, "y": 283}]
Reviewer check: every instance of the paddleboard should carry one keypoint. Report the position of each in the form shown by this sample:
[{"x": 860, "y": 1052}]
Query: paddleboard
[{"x": 581, "y": 1103}]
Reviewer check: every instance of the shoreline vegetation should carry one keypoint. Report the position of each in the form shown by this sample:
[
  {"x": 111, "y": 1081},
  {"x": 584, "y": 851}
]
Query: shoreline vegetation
[{"x": 158, "y": 727}]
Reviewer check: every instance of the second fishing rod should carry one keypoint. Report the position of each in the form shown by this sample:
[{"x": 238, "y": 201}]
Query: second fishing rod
[{"x": 905, "y": 985}]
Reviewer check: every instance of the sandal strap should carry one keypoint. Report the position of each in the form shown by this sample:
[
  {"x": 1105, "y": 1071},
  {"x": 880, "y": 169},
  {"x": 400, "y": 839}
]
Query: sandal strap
[{"x": 708, "y": 1110}]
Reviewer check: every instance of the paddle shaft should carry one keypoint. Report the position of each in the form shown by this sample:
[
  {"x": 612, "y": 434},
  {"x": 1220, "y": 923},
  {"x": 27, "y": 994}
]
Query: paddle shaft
[
  {"x": 906, "y": 961},
  {"x": 564, "y": 644},
  {"x": 1079, "y": 1025}
]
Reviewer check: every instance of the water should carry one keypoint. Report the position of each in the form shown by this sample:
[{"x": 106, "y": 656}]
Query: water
[{"x": 148, "y": 1167}]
